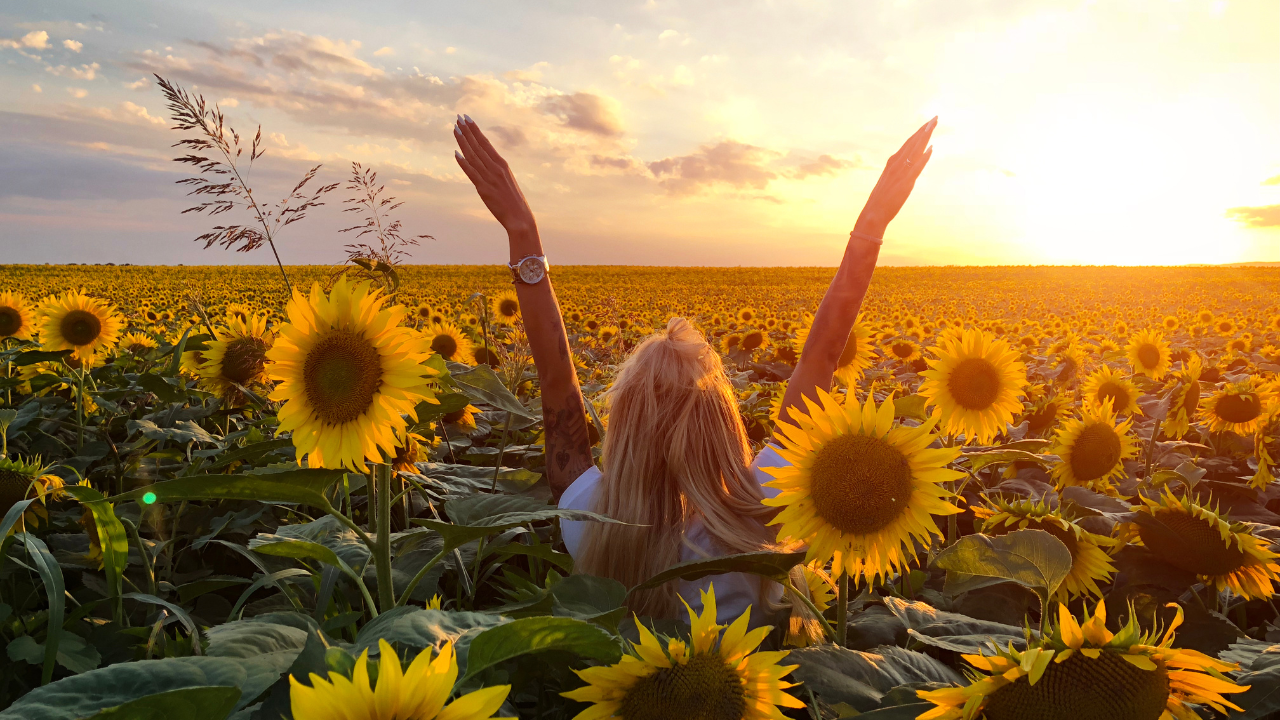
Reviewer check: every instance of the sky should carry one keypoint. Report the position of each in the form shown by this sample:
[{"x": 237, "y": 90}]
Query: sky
[{"x": 660, "y": 132}]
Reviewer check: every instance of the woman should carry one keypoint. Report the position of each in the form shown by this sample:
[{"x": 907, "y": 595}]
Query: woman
[{"x": 677, "y": 462}]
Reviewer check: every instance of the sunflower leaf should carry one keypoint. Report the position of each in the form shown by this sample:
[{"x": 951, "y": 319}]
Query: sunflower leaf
[
  {"x": 774, "y": 566},
  {"x": 483, "y": 385},
  {"x": 196, "y": 703},
  {"x": 536, "y": 634},
  {"x": 1031, "y": 558},
  {"x": 304, "y": 486}
]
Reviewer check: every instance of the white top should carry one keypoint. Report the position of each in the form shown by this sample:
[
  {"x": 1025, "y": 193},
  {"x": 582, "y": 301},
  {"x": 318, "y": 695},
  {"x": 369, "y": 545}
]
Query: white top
[{"x": 734, "y": 591}]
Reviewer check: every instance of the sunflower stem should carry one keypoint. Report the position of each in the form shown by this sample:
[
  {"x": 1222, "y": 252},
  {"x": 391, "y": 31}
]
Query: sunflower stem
[
  {"x": 382, "y": 554},
  {"x": 842, "y": 608},
  {"x": 502, "y": 448},
  {"x": 1151, "y": 450},
  {"x": 804, "y": 598},
  {"x": 80, "y": 409}
]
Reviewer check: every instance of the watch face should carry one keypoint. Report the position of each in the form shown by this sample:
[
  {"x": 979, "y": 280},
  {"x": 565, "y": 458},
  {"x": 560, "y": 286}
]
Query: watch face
[{"x": 532, "y": 270}]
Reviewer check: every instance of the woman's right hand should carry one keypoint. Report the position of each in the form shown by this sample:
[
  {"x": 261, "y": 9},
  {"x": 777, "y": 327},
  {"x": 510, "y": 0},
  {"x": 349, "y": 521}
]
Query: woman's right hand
[
  {"x": 493, "y": 179},
  {"x": 896, "y": 182}
]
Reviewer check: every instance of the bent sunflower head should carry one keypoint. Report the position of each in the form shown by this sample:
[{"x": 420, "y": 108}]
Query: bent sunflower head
[
  {"x": 1090, "y": 563},
  {"x": 347, "y": 373}
]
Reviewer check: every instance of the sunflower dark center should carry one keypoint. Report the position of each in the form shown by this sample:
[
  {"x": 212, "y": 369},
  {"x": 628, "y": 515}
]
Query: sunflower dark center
[
  {"x": 488, "y": 357},
  {"x": 1148, "y": 355},
  {"x": 10, "y": 321},
  {"x": 752, "y": 340},
  {"x": 1082, "y": 688},
  {"x": 1191, "y": 400},
  {"x": 509, "y": 308},
  {"x": 1225, "y": 327},
  {"x": 341, "y": 375},
  {"x": 705, "y": 688},
  {"x": 1201, "y": 549},
  {"x": 860, "y": 484},
  {"x": 13, "y": 488},
  {"x": 1038, "y": 420},
  {"x": 1238, "y": 408},
  {"x": 1116, "y": 393},
  {"x": 243, "y": 359},
  {"x": 974, "y": 383},
  {"x": 1095, "y": 452},
  {"x": 850, "y": 351},
  {"x": 80, "y": 327},
  {"x": 445, "y": 344},
  {"x": 903, "y": 350}
]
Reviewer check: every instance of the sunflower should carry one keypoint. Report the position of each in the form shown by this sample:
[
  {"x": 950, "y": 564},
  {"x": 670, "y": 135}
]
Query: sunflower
[
  {"x": 857, "y": 489},
  {"x": 420, "y": 692},
  {"x": 348, "y": 372},
  {"x": 1170, "y": 323},
  {"x": 745, "y": 315},
  {"x": 18, "y": 479},
  {"x": 85, "y": 325},
  {"x": 1149, "y": 354},
  {"x": 713, "y": 676},
  {"x": 411, "y": 449},
  {"x": 137, "y": 344},
  {"x": 1225, "y": 327},
  {"x": 1199, "y": 540},
  {"x": 1083, "y": 671},
  {"x": 753, "y": 340},
  {"x": 729, "y": 343},
  {"x": 15, "y": 317},
  {"x": 803, "y": 628},
  {"x": 976, "y": 382},
  {"x": 1090, "y": 563},
  {"x": 464, "y": 419},
  {"x": 447, "y": 340},
  {"x": 903, "y": 350},
  {"x": 857, "y": 356},
  {"x": 236, "y": 357},
  {"x": 241, "y": 312},
  {"x": 1109, "y": 385},
  {"x": 1185, "y": 401},
  {"x": 1092, "y": 449},
  {"x": 1238, "y": 407},
  {"x": 505, "y": 307},
  {"x": 608, "y": 334},
  {"x": 1043, "y": 414}
]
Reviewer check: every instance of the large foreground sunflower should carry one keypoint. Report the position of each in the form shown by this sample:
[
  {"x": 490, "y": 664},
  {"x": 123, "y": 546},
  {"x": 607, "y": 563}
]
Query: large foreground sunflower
[
  {"x": 1107, "y": 384},
  {"x": 857, "y": 489},
  {"x": 73, "y": 321},
  {"x": 348, "y": 372},
  {"x": 237, "y": 357},
  {"x": 1093, "y": 448},
  {"x": 1090, "y": 563},
  {"x": 1197, "y": 539},
  {"x": 976, "y": 381},
  {"x": 1086, "y": 672},
  {"x": 713, "y": 677},
  {"x": 1238, "y": 407},
  {"x": 1149, "y": 354},
  {"x": 16, "y": 318},
  {"x": 420, "y": 693}
]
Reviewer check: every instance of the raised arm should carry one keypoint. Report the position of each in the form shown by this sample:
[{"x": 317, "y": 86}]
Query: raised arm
[
  {"x": 839, "y": 309},
  {"x": 568, "y": 447}
]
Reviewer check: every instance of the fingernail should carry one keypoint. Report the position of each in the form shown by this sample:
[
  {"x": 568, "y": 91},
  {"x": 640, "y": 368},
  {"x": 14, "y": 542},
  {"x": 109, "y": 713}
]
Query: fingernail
[
  {"x": 459, "y": 119},
  {"x": 468, "y": 119},
  {"x": 457, "y": 154},
  {"x": 934, "y": 121},
  {"x": 457, "y": 131}
]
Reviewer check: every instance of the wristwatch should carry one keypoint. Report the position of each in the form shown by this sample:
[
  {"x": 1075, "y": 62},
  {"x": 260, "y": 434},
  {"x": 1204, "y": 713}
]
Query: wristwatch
[{"x": 529, "y": 270}]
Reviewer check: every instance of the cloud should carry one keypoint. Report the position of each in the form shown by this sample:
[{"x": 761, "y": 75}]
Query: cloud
[
  {"x": 139, "y": 84},
  {"x": 84, "y": 72},
  {"x": 725, "y": 163},
  {"x": 1272, "y": 181},
  {"x": 229, "y": 102},
  {"x": 77, "y": 92},
  {"x": 72, "y": 45},
  {"x": 36, "y": 88},
  {"x": 1265, "y": 216},
  {"x": 384, "y": 51},
  {"x": 822, "y": 166},
  {"x": 36, "y": 40},
  {"x": 585, "y": 111}
]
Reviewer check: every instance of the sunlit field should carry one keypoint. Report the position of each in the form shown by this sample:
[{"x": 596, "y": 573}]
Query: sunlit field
[{"x": 1111, "y": 457}]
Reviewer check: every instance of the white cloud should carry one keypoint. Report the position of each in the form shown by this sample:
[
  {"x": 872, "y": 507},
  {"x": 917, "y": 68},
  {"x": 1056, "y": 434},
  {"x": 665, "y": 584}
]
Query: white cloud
[
  {"x": 36, "y": 40},
  {"x": 139, "y": 84},
  {"x": 229, "y": 102},
  {"x": 84, "y": 72},
  {"x": 36, "y": 88},
  {"x": 77, "y": 92},
  {"x": 450, "y": 50},
  {"x": 72, "y": 45},
  {"x": 384, "y": 51},
  {"x": 137, "y": 112}
]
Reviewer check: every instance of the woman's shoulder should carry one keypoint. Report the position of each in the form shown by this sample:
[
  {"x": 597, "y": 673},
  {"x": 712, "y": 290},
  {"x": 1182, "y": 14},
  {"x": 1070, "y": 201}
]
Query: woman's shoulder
[{"x": 581, "y": 492}]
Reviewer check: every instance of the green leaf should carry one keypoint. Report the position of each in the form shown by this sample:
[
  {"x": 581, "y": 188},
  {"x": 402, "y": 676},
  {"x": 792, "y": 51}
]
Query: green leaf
[
  {"x": 250, "y": 453},
  {"x": 274, "y": 578},
  {"x": 82, "y": 695},
  {"x": 862, "y": 679},
  {"x": 306, "y": 487},
  {"x": 774, "y": 566},
  {"x": 178, "y": 349},
  {"x": 952, "y": 631},
  {"x": 979, "y": 460},
  {"x": 195, "y": 703},
  {"x": 164, "y": 390},
  {"x": 484, "y": 386},
  {"x": 418, "y": 628},
  {"x": 535, "y": 634},
  {"x": 270, "y": 633},
  {"x": 448, "y": 403},
  {"x": 1262, "y": 699},
  {"x": 910, "y": 406},
  {"x": 31, "y": 357},
  {"x": 177, "y": 610},
  {"x": 55, "y": 591},
  {"x": 189, "y": 592},
  {"x": 111, "y": 535},
  {"x": 1033, "y": 559}
]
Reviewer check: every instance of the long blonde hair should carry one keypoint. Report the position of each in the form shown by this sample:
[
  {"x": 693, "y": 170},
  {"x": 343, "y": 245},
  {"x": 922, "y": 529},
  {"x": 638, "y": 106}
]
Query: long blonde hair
[{"x": 675, "y": 450}]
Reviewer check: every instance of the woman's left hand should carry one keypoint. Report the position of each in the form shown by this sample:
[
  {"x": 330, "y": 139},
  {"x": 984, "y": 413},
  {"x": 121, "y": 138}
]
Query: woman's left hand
[
  {"x": 493, "y": 178},
  {"x": 896, "y": 182}
]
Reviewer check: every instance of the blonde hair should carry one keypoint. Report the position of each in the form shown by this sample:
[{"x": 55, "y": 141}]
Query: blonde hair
[{"x": 675, "y": 450}]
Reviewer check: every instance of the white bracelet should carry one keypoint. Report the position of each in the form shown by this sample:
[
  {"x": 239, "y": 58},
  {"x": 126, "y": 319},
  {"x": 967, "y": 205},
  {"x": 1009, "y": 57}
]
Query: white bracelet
[{"x": 863, "y": 236}]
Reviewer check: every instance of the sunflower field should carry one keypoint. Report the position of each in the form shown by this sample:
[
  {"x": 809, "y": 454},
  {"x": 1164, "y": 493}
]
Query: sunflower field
[{"x": 1032, "y": 492}]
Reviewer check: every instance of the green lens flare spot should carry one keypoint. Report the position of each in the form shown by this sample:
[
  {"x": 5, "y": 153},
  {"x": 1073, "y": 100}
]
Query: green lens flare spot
[{"x": 149, "y": 498}]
